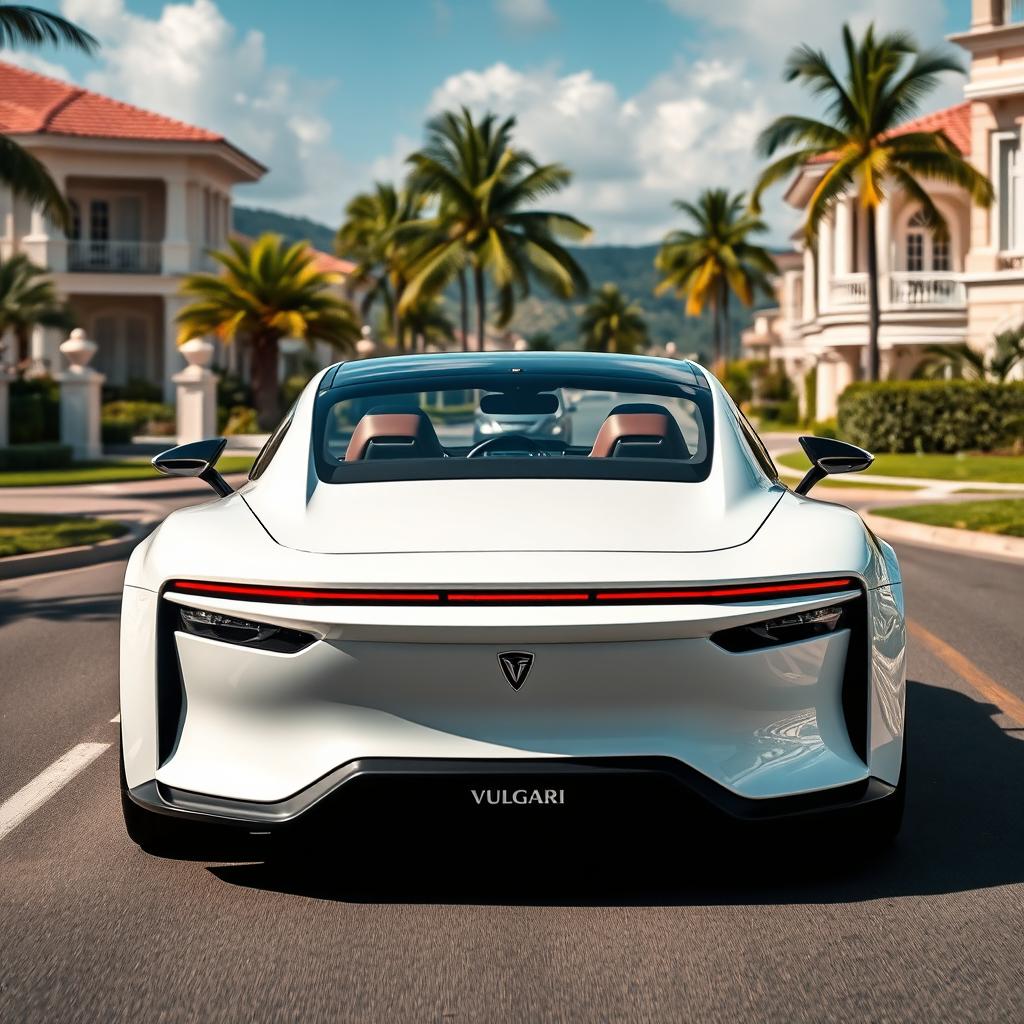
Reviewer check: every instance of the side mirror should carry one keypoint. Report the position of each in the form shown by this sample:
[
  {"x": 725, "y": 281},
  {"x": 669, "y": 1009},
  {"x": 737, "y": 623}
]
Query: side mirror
[
  {"x": 195, "y": 459},
  {"x": 829, "y": 456}
]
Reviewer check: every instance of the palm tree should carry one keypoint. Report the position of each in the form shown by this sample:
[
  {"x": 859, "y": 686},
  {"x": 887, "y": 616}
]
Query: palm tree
[
  {"x": 967, "y": 363},
  {"x": 267, "y": 291},
  {"x": 427, "y": 323},
  {"x": 485, "y": 223},
  {"x": 19, "y": 170},
  {"x": 713, "y": 258},
  {"x": 369, "y": 236},
  {"x": 886, "y": 78},
  {"x": 27, "y": 298},
  {"x": 611, "y": 323}
]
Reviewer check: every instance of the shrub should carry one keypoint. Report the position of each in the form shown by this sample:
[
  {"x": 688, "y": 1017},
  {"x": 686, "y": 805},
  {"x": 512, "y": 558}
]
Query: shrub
[
  {"x": 738, "y": 378},
  {"x": 292, "y": 388},
  {"x": 34, "y": 410},
  {"x": 932, "y": 416},
  {"x": 145, "y": 417},
  {"x": 35, "y": 456},
  {"x": 241, "y": 420},
  {"x": 823, "y": 428},
  {"x": 136, "y": 390},
  {"x": 811, "y": 395},
  {"x": 232, "y": 391},
  {"x": 117, "y": 429}
]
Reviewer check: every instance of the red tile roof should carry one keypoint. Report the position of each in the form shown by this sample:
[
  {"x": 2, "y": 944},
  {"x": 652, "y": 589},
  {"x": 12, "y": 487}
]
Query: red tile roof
[
  {"x": 31, "y": 104},
  {"x": 328, "y": 264},
  {"x": 954, "y": 121}
]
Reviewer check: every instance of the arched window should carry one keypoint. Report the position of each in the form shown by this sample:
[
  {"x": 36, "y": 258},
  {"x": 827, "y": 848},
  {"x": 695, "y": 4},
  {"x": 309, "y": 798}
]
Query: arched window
[{"x": 924, "y": 251}]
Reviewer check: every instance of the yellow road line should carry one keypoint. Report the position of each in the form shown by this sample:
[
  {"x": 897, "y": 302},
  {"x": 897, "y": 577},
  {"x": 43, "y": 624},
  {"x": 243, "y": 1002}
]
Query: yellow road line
[{"x": 1008, "y": 703}]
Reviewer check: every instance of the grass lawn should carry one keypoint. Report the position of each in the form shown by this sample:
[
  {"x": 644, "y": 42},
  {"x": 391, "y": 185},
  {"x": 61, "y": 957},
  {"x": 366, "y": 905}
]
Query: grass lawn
[
  {"x": 111, "y": 471},
  {"x": 796, "y": 460},
  {"x": 1008, "y": 469},
  {"x": 1006, "y": 516},
  {"x": 20, "y": 535}
]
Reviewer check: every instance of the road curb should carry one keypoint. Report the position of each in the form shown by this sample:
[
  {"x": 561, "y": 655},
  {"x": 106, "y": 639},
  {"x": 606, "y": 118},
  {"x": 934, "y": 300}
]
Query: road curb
[
  {"x": 964, "y": 542},
  {"x": 61, "y": 559}
]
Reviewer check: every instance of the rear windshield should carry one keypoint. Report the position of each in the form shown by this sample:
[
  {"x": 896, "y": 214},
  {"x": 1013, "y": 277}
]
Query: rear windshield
[{"x": 502, "y": 426}]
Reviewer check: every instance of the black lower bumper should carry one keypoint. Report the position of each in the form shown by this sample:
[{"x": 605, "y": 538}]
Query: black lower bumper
[{"x": 622, "y": 790}]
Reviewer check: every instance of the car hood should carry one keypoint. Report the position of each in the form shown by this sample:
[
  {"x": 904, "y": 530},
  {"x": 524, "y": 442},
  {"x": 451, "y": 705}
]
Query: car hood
[{"x": 512, "y": 515}]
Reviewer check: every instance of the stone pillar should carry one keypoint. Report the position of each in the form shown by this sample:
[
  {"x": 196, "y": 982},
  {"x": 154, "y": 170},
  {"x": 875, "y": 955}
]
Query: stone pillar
[
  {"x": 5, "y": 407},
  {"x": 177, "y": 257},
  {"x": 826, "y": 387},
  {"x": 196, "y": 393},
  {"x": 80, "y": 398},
  {"x": 366, "y": 346}
]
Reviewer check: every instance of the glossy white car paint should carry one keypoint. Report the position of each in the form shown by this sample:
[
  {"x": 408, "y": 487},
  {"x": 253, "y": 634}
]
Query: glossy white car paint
[{"x": 424, "y": 682}]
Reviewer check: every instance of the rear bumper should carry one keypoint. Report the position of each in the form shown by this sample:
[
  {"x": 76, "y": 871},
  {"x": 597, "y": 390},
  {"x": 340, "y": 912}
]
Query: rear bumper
[{"x": 601, "y": 790}]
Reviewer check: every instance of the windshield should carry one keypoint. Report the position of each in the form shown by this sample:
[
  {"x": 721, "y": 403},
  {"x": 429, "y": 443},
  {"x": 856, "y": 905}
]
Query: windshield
[{"x": 492, "y": 425}]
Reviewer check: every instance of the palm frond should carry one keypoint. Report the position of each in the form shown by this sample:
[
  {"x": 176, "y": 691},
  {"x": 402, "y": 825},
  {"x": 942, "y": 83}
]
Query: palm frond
[{"x": 22, "y": 25}]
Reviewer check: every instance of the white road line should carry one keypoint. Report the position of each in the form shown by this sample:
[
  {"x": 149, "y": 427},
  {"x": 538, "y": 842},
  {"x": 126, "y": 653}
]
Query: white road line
[
  {"x": 117, "y": 717},
  {"x": 47, "y": 783}
]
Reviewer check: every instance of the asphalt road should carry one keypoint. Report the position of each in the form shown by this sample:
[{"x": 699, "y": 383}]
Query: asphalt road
[{"x": 442, "y": 928}]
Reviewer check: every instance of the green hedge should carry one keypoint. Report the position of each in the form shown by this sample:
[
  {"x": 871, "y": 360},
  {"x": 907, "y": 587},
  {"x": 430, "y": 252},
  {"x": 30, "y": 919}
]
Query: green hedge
[
  {"x": 117, "y": 429},
  {"x": 35, "y": 456},
  {"x": 34, "y": 411},
  {"x": 932, "y": 416},
  {"x": 143, "y": 415}
]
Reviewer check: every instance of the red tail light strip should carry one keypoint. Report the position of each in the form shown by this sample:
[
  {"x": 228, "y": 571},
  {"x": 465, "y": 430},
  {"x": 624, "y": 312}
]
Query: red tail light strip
[
  {"x": 693, "y": 593},
  {"x": 651, "y": 595}
]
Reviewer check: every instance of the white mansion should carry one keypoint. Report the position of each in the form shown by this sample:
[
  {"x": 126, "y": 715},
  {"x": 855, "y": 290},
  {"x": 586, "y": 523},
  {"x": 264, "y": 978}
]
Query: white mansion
[
  {"x": 962, "y": 290},
  {"x": 150, "y": 196}
]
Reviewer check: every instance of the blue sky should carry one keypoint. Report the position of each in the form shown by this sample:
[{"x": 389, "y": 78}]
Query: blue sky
[{"x": 643, "y": 99}]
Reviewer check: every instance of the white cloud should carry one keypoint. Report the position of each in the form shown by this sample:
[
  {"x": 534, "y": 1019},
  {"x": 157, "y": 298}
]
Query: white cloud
[
  {"x": 631, "y": 155},
  {"x": 190, "y": 63},
  {"x": 32, "y": 62},
  {"x": 526, "y": 14}
]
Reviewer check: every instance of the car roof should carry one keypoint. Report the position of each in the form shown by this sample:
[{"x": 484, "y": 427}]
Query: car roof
[{"x": 634, "y": 369}]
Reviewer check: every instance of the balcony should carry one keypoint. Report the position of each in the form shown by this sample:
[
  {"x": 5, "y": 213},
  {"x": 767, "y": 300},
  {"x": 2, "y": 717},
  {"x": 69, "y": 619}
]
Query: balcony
[
  {"x": 927, "y": 288},
  {"x": 848, "y": 290},
  {"x": 114, "y": 257},
  {"x": 899, "y": 290}
]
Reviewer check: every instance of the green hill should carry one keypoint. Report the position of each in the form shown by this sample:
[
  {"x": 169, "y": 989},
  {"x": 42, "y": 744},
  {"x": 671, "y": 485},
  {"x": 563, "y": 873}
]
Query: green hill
[{"x": 630, "y": 267}]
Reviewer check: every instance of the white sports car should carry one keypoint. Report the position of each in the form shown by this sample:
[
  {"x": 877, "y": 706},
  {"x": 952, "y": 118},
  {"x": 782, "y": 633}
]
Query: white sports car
[{"x": 390, "y": 618}]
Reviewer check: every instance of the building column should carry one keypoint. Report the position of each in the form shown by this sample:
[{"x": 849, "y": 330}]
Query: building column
[
  {"x": 825, "y": 262},
  {"x": 810, "y": 306},
  {"x": 45, "y": 244},
  {"x": 44, "y": 346},
  {"x": 845, "y": 224},
  {"x": 173, "y": 360},
  {"x": 176, "y": 252},
  {"x": 883, "y": 238}
]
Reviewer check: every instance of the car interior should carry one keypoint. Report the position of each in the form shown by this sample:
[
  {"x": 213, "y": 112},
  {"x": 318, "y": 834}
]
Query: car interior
[{"x": 637, "y": 430}]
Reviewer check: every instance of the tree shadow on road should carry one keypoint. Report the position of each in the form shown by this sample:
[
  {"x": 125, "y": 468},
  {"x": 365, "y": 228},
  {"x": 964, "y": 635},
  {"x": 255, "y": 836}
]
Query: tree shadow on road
[
  {"x": 75, "y": 607},
  {"x": 964, "y": 830}
]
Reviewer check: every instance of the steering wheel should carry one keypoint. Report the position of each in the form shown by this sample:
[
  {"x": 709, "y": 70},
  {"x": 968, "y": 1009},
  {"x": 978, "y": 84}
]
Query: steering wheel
[{"x": 506, "y": 442}]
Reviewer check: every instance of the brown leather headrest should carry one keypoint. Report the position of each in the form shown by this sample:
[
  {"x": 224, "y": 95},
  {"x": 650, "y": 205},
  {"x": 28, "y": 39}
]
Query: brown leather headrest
[
  {"x": 652, "y": 428},
  {"x": 412, "y": 427}
]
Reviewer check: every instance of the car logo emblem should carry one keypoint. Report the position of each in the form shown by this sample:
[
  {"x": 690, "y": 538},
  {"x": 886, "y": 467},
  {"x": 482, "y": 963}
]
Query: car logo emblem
[{"x": 515, "y": 665}]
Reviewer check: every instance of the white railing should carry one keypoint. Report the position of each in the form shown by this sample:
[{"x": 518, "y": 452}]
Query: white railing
[
  {"x": 114, "y": 256},
  {"x": 848, "y": 290},
  {"x": 927, "y": 288},
  {"x": 1013, "y": 11}
]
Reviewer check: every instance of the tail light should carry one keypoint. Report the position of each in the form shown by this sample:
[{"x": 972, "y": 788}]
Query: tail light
[
  {"x": 786, "y": 629},
  {"x": 243, "y": 632}
]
